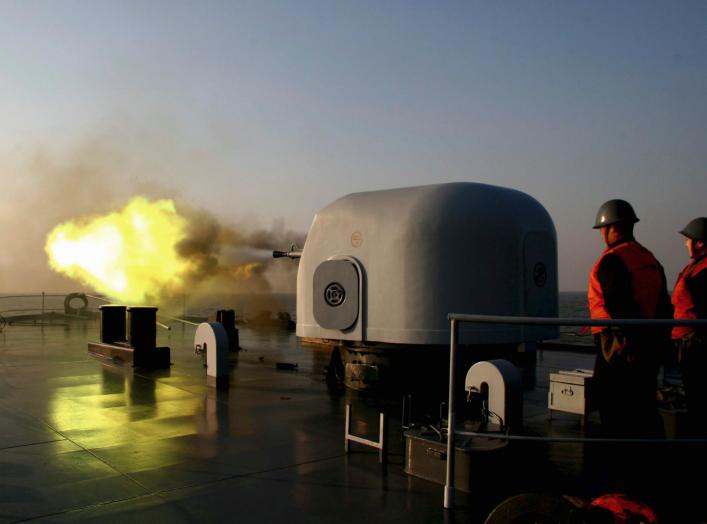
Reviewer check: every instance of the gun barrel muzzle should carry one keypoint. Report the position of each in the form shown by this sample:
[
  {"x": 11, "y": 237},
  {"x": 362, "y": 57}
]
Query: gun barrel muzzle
[{"x": 288, "y": 254}]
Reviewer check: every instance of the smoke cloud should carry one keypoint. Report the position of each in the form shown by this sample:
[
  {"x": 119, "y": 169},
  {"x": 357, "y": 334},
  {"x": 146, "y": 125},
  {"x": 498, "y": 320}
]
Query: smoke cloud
[
  {"x": 234, "y": 259},
  {"x": 49, "y": 187}
]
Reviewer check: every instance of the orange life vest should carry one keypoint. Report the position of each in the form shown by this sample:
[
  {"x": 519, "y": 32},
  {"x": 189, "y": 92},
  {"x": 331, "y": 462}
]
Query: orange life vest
[
  {"x": 682, "y": 299},
  {"x": 646, "y": 281},
  {"x": 625, "y": 509}
]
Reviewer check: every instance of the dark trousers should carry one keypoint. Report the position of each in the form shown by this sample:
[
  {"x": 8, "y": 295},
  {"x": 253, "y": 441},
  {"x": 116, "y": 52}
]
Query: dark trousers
[
  {"x": 626, "y": 395},
  {"x": 692, "y": 358}
]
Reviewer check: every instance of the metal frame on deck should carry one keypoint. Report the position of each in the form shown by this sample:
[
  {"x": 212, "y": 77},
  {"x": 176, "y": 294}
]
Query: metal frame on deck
[
  {"x": 457, "y": 318},
  {"x": 380, "y": 445}
]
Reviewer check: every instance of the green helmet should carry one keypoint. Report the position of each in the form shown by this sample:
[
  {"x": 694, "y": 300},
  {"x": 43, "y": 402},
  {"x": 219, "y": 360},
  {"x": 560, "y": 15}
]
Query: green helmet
[
  {"x": 613, "y": 212},
  {"x": 696, "y": 229}
]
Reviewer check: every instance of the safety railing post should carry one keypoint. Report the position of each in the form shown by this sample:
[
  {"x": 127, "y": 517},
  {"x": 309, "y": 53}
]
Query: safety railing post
[{"x": 451, "y": 415}]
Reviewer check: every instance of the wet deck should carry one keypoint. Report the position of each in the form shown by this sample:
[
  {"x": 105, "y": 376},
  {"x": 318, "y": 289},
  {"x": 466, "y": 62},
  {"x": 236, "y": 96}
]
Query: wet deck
[{"x": 83, "y": 440}]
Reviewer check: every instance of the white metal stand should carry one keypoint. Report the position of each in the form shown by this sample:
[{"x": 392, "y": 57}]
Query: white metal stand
[{"x": 380, "y": 445}]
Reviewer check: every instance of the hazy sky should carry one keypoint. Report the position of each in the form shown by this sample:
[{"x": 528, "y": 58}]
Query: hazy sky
[{"x": 263, "y": 110}]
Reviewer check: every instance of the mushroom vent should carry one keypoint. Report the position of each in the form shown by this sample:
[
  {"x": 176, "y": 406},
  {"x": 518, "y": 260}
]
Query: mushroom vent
[{"x": 336, "y": 285}]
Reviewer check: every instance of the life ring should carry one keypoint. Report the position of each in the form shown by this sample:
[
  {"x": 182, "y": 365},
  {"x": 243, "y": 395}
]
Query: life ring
[
  {"x": 79, "y": 311},
  {"x": 531, "y": 507}
]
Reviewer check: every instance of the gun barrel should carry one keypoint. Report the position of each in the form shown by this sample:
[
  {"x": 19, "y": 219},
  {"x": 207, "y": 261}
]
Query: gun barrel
[{"x": 288, "y": 254}]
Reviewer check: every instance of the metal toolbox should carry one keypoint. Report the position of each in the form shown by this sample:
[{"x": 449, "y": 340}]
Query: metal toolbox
[
  {"x": 570, "y": 391},
  {"x": 477, "y": 459}
]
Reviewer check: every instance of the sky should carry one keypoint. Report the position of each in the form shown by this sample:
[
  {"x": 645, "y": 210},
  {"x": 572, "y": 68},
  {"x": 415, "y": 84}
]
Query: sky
[{"x": 264, "y": 112}]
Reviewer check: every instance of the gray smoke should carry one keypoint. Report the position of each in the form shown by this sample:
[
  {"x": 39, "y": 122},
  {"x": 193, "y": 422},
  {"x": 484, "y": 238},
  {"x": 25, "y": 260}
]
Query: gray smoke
[{"x": 232, "y": 259}]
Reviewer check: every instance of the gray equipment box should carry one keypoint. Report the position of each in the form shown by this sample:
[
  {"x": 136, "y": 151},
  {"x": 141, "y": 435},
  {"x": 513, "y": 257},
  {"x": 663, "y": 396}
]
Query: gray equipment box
[
  {"x": 477, "y": 458},
  {"x": 570, "y": 391}
]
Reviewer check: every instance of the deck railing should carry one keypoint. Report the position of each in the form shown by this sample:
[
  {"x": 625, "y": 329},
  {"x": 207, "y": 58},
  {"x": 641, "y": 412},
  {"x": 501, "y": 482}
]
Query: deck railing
[
  {"x": 42, "y": 309},
  {"x": 457, "y": 318}
]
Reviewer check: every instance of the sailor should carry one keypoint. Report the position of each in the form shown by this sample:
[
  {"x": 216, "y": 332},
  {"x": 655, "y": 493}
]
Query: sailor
[
  {"x": 627, "y": 282},
  {"x": 690, "y": 301}
]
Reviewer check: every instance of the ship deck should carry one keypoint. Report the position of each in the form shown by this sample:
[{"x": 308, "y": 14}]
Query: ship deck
[{"x": 87, "y": 440}]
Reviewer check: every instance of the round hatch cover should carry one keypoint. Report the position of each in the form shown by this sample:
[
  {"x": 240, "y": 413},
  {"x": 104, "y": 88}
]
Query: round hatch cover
[
  {"x": 335, "y": 294},
  {"x": 540, "y": 274}
]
